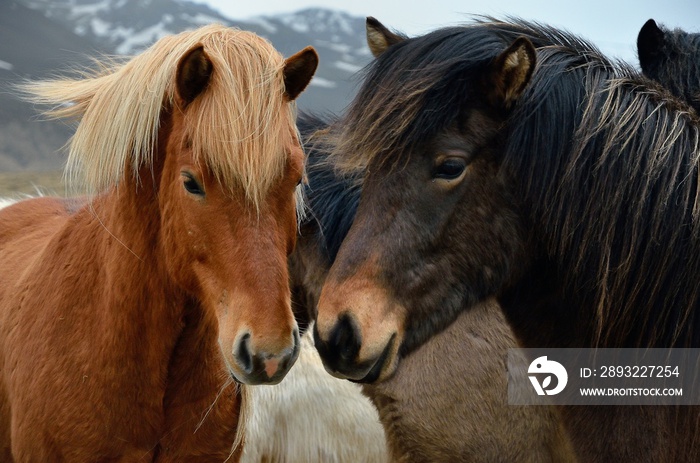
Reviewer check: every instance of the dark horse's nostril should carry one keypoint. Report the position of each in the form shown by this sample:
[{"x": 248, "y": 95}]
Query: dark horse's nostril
[
  {"x": 243, "y": 355},
  {"x": 345, "y": 339}
]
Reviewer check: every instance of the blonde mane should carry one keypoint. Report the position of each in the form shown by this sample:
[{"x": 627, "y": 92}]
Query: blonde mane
[{"x": 238, "y": 127}]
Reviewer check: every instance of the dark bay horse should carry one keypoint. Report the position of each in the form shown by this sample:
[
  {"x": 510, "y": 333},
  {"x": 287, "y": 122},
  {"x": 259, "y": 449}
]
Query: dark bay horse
[
  {"x": 513, "y": 160},
  {"x": 127, "y": 320},
  {"x": 672, "y": 58},
  {"x": 437, "y": 407}
]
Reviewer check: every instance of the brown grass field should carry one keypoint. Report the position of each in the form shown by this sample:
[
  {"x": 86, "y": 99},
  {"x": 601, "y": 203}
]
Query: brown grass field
[{"x": 21, "y": 184}]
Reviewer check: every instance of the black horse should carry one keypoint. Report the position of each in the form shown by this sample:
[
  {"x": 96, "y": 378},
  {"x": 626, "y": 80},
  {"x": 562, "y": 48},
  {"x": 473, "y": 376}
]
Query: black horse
[
  {"x": 515, "y": 160},
  {"x": 672, "y": 58},
  {"x": 447, "y": 411}
]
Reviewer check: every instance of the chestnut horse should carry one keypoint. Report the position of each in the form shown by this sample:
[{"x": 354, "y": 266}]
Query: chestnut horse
[
  {"x": 672, "y": 58},
  {"x": 448, "y": 400},
  {"x": 513, "y": 160},
  {"x": 127, "y": 320}
]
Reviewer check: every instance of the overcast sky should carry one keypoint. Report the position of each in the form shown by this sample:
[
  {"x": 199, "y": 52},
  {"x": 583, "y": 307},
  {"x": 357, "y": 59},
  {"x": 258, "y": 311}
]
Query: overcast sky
[{"x": 612, "y": 25}]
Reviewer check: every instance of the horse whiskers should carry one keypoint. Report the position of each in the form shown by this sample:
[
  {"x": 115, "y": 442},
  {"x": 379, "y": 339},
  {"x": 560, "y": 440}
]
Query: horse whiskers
[
  {"x": 245, "y": 410},
  {"x": 226, "y": 384},
  {"x": 233, "y": 450},
  {"x": 243, "y": 415}
]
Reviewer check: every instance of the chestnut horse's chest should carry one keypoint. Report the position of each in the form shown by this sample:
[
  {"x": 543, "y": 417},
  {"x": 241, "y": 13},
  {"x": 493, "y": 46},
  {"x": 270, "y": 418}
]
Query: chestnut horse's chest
[
  {"x": 88, "y": 377},
  {"x": 119, "y": 408}
]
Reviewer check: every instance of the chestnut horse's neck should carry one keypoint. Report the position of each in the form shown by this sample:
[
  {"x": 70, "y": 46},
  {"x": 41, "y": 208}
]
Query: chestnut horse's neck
[
  {"x": 127, "y": 222},
  {"x": 160, "y": 333}
]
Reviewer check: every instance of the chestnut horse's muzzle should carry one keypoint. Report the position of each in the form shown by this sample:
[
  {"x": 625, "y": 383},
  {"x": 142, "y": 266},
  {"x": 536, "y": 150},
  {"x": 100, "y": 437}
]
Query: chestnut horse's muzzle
[{"x": 260, "y": 367}]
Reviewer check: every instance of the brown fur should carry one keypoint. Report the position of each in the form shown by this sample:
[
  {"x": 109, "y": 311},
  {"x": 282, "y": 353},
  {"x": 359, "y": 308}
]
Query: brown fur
[
  {"x": 439, "y": 408},
  {"x": 121, "y": 321},
  {"x": 447, "y": 402},
  {"x": 579, "y": 213}
]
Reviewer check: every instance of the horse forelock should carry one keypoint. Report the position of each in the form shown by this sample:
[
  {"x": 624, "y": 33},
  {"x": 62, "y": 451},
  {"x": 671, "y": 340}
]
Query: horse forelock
[
  {"x": 242, "y": 127},
  {"x": 239, "y": 126},
  {"x": 418, "y": 87},
  {"x": 410, "y": 93}
]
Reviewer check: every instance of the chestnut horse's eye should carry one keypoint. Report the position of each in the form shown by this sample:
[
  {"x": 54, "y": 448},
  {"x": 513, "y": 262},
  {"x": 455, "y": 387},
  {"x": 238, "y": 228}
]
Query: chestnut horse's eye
[
  {"x": 449, "y": 168},
  {"x": 191, "y": 184}
]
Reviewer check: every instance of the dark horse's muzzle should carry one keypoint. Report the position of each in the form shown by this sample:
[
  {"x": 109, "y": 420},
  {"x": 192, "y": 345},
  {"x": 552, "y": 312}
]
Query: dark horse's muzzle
[{"x": 341, "y": 351}]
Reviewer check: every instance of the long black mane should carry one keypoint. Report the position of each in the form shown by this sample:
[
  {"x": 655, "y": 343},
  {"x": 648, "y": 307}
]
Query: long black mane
[
  {"x": 606, "y": 166},
  {"x": 331, "y": 198}
]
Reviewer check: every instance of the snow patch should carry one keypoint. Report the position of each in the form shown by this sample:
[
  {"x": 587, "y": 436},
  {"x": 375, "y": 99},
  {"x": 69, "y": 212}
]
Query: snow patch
[
  {"x": 142, "y": 39},
  {"x": 338, "y": 47},
  {"x": 99, "y": 27},
  {"x": 201, "y": 19},
  {"x": 317, "y": 20},
  {"x": 264, "y": 23},
  {"x": 349, "y": 67},
  {"x": 300, "y": 27},
  {"x": 321, "y": 82},
  {"x": 4, "y": 202},
  {"x": 77, "y": 11}
]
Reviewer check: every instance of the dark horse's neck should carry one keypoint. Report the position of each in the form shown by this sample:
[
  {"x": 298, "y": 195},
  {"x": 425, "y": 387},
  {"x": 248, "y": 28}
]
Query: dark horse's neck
[
  {"x": 540, "y": 313},
  {"x": 612, "y": 213}
]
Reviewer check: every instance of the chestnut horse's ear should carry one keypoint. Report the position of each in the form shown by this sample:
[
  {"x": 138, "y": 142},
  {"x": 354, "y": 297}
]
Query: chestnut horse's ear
[
  {"x": 511, "y": 72},
  {"x": 298, "y": 71},
  {"x": 649, "y": 42},
  {"x": 193, "y": 73},
  {"x": 379, "y": 38}
]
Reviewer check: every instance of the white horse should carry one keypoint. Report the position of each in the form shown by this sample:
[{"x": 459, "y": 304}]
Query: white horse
[
  {"x": 312, "y": 417},
  {"x": 4, "y": 202}
]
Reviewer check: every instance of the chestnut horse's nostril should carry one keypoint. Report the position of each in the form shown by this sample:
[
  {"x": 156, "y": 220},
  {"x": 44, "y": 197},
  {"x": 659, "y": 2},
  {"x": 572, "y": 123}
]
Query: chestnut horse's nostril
[
  {"x": 345, "y": 339},
  {"x": 243, "y": 355},
  {"x": 256, "y": 366}
]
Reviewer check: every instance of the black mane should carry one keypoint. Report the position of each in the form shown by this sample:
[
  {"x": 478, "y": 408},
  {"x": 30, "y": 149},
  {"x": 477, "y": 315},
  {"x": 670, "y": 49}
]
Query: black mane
[
  {"x": 672, "y": 58},
  {"x": 331, "y": 199},
  {"x": 608, "y": 179}
]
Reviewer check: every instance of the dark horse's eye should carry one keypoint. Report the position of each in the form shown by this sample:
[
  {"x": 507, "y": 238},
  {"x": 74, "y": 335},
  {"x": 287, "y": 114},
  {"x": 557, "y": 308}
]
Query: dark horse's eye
[
  {"x": 192, "y": 185},
  {"x": 450, "y": 168}
]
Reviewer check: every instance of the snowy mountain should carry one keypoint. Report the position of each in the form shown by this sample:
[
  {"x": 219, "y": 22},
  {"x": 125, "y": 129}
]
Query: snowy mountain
[
  {"x": 126, "y": 27},
  {"x": 47, "y": 36}
]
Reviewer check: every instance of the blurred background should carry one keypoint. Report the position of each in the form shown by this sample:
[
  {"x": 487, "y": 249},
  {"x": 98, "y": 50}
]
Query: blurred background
[{"x": 42, "y": 37}]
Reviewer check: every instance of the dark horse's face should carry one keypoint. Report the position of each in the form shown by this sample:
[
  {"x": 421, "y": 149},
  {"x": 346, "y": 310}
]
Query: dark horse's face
[{"x": 435, "y": 232}]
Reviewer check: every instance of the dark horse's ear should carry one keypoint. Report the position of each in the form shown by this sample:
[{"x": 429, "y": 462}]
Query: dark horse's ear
[
  {"x": 193, "y": 73},
  {"x": 298, "y": 71},
  {"x": 649, "y": 43},
  {"x": 379, "y": 38},
  {"x": 511, "y": 72}
]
